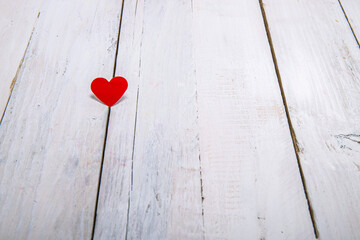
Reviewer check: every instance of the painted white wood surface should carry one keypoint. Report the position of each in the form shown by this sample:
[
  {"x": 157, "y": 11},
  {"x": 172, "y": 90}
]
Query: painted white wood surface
[
  {"x": 319, "y": 62},
  {"x": 180, "y": 57},
  {"x": 17, "y": 20},
  {"x": 51, "y": 137},
  {"x": 352, "y": 10},
  {"x": 251, "y": 181},
  {"x": 111, "y": 220},
  {"x": 165, "y": 200}
]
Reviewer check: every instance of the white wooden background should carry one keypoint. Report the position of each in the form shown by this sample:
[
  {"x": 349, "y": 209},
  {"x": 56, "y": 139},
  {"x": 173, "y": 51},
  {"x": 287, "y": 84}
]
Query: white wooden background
[{"x": 241, "y": 120}]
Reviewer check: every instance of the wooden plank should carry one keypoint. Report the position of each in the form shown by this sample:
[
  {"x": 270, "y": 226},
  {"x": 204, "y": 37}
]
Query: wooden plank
[
  {"x": 52, "y": 134},
  {"x": 165, "y": 200},
  {"x": 251, "y": 181},
  {"x": 319, "y": 62},
  {"x": 17, "y": 20},
  {"x": 352, "y": 11},
  {"x": 112, "y": 211}
]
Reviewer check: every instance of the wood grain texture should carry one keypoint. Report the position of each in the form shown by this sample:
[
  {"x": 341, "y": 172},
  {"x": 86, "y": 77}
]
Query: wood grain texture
[
  {"x": 51, "y": 137},
  {"x": 319, "y": 62},
  {"x": 352, "y": 11},
  {"x": 111, "y": 220},
  {"x": 251, "y": 181},
  {"x": 165, "y": 199},
  {"x": 17, "y": 20}
]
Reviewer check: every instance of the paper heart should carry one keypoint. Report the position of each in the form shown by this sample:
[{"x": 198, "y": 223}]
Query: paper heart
[{"x": 109, "y": 92}]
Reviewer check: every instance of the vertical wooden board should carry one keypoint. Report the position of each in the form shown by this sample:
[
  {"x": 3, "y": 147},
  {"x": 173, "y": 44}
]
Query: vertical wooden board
[
  {"x": 251, "y": 181},
  {"x": 17, "y": 20},
  {"x": 115, "y": 186},
  {"x": 319, "y": 62},
  {"x": 52, "y": 134},
  {"x": 165, "y": 199},
  {"x": 352, "y": 11}
]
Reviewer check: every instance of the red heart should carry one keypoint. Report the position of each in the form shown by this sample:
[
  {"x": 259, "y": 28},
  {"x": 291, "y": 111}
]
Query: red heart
[{"x": 109, "y": 92}]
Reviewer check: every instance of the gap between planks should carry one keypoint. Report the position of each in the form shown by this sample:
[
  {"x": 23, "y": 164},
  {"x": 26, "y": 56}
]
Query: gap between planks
[
  {"x": 200, "y": 164},
  {"x": 292, "y": 132},
  {"x": 347, "y": 19},
  {"x": 132, "y": 161},
  {"x": 19, "y": 67},
  {"x": 134, "y": 135},
  {"x": 107, "y": 126}
]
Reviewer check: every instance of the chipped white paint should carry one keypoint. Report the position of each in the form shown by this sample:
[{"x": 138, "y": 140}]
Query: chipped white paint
[
  {"x": 17, "y": 20},
  {"x": 112, "y": 209},
  {"x": 184, "y": 60},
  {"x": 252, "y": 185},
  {"x": 352, "y": 9},
  {"x": 51, "y": 137},
  {"x": 319, "y": 62},
  {"x": 165, "y": 200}
]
